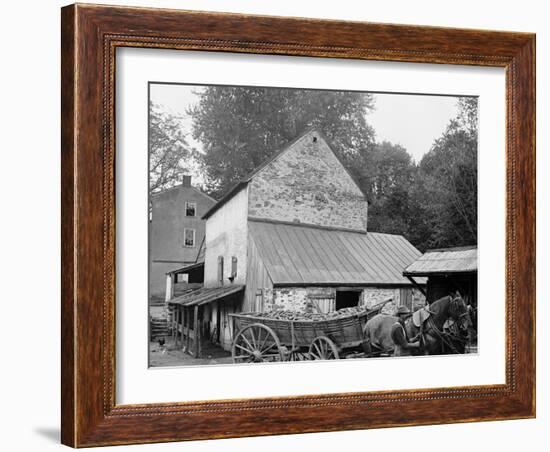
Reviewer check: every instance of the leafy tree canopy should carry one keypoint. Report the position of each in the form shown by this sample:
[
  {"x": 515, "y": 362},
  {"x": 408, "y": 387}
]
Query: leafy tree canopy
[
  {"x": 240, "y": 127},
  {"x": 446, "y": 190},
  {"x": 432, "y": 203},
  {"x": 169, "y": 152}
]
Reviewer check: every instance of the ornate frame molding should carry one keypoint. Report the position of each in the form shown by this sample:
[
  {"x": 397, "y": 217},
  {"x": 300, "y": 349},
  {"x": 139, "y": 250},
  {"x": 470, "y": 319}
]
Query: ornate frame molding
[{"x": 90, "y": 37}]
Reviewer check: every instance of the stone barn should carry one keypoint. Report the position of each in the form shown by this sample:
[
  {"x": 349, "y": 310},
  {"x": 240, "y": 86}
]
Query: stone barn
[{"x": 293, "y": 235}]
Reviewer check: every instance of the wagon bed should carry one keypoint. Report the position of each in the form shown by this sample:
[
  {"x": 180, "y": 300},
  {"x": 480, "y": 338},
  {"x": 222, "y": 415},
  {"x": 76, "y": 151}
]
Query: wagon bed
[{"x": 288, "y": 339}]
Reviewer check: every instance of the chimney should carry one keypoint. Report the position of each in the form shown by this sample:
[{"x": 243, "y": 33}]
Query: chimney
[{"x": 186, "y": 181}]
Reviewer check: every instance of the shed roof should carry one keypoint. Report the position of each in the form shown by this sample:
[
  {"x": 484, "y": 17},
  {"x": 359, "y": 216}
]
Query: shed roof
[
  {"x": 305, "y": 255},
  {"x": 199, "y": 262},
  {"x": 446, "y": 260},
  {"x": 204, "y": 295}
]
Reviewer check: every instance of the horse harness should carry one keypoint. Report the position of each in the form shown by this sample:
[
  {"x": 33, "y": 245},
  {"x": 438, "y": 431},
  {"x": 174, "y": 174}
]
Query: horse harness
[
  {"x": 441, "y": 334},
  {"x": 444, "y": 336}
]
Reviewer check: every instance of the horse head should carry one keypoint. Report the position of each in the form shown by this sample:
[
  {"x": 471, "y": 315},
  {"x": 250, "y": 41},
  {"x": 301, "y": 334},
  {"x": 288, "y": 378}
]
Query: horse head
[{"x": 459, "y": 311}]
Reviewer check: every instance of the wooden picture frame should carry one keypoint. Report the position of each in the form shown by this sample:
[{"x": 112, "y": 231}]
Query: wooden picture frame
[{"x": 90, "y": 36}]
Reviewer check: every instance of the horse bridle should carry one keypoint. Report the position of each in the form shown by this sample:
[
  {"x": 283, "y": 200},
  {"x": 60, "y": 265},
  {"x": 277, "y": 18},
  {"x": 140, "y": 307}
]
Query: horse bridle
[{"x": 454, "y": 306}]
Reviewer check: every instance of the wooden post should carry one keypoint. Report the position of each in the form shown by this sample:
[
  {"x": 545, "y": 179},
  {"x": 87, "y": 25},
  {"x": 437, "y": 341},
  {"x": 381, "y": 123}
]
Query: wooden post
[
  {"x": 177, "y": 324},
  {"x": 169, "y": 287},
  {"x": 418, "y": 286},
  {"x": 183, "y": 318},
  {"x": 196, "y": 331},
  {"x": 201, "y": 323},
  {"x": 173, "y": 321},
  {"x": 188, "y": 322},
  {"x": 262, "y": 307}
]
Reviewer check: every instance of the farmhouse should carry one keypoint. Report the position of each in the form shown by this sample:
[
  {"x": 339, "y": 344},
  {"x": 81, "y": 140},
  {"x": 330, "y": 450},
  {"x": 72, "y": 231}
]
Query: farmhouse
[
  {"x": 176, "y": 231},
  {"x": 176, "y": 234},
  {"x": 292, "y": 235}
]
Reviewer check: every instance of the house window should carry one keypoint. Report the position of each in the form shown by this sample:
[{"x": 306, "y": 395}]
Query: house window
[
  {"x": 220, "y": 270},
  {"x": 234, "y": 267},
  {"x": 189, "y": 237},
  {"x": 190, "y": 209}
]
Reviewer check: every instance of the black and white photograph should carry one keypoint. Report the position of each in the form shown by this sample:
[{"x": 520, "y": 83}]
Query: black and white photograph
[{"x": 295, "y": 224}]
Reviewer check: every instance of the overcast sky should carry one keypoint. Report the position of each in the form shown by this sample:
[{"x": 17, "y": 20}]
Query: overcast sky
[{"x": 411, "y": 120}]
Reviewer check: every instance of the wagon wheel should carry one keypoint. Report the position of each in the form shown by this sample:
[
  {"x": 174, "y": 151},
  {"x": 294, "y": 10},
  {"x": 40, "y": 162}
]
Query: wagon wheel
[
  {"x": 256, "y": 343},
  {"x": 323, "y": 348}
]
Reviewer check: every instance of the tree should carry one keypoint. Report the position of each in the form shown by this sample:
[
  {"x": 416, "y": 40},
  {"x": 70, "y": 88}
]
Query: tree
[
  {"x": 240, "y": 127},
  {"x": 388, "y": 182},
  {"x": 169, "y": 152},
  {"x": 447, "y": 182}
]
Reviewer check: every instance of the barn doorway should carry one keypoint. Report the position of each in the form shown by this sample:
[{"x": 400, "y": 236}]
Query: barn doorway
[{"x": 347, "y": 298}]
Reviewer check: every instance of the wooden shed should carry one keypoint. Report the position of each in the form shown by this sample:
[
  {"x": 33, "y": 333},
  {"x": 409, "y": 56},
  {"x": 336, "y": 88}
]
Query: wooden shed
[{"x": 447, "y": 270}]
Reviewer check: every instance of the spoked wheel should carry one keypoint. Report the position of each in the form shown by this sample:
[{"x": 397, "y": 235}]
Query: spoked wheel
[
  {"x": 257, "y": 343},
  {"x": 323, "y": 348}
]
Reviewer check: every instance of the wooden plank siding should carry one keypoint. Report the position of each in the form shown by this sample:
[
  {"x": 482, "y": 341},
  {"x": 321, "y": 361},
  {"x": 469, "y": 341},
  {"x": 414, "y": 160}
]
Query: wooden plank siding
[{"x": 257, "y": 277}]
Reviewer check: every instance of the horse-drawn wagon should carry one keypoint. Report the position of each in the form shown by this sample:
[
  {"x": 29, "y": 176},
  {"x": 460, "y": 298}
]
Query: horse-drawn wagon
[{"x": 285, "y": 336}]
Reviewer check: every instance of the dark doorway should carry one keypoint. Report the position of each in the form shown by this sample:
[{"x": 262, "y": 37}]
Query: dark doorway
[{"x": 347, "y": 298}]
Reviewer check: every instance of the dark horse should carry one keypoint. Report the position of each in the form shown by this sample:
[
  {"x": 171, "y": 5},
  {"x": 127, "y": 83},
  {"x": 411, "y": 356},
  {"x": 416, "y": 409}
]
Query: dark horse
[{"x": 435, "y": 336}]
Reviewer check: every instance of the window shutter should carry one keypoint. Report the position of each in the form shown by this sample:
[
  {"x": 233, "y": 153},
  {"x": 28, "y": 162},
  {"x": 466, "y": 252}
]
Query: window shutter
[
  {"x": 234, "y": 266},
  {"x": 220, "y": 270}
]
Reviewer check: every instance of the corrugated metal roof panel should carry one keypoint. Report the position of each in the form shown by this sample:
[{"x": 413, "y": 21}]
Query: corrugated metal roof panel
[
  {"x": 203, "y": 295},
  {"x": 298, "y": 254},
  {"x": 450, "y": 260}
]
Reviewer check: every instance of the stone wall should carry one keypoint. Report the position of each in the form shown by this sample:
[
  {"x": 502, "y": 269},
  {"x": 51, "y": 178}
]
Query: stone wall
[
  {"x": 299, "y": 299},
  {"x": 308, "y": 184},
  {"x": 293, "y": 299},
  {"x": 374, "y": 295}
]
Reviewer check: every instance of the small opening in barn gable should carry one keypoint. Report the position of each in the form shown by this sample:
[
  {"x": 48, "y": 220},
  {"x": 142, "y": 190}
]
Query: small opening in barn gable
[{"x": 347, "y": 298}]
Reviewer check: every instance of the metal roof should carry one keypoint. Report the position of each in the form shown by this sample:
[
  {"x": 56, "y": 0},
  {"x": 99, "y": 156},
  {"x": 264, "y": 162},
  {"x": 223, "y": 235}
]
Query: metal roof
[
  {"x": 204, "y": 296},
  {"x": 304, "y": 255},
  {"x": 448, "y": 260}
]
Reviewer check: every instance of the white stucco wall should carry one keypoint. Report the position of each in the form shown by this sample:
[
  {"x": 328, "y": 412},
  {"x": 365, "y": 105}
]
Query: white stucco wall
[{"x": 226, "y": 235}]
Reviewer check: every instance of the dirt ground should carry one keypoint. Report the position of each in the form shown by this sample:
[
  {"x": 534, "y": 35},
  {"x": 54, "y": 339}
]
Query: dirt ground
[{"x": 169, "y": 355}]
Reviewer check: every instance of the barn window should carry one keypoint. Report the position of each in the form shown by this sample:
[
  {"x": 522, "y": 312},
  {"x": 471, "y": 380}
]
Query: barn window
[
  {"x": 347, "y": 298},
  {"x": 190, "y": 209},
  {"x": 234, "y": 267},
  {"x": 220, "y": 270},
  {"x": 189, "y": 237}
]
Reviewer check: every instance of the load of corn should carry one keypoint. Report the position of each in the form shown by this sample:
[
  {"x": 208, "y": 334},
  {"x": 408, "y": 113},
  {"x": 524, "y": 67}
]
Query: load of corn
[{"x": 280, "y": 314}]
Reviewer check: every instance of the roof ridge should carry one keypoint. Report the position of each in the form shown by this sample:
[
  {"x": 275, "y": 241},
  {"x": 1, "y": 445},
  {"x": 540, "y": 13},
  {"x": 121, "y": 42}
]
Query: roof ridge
[
  {"x": 306, "y": 225},
  {"x": 452, "y": 248}
]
